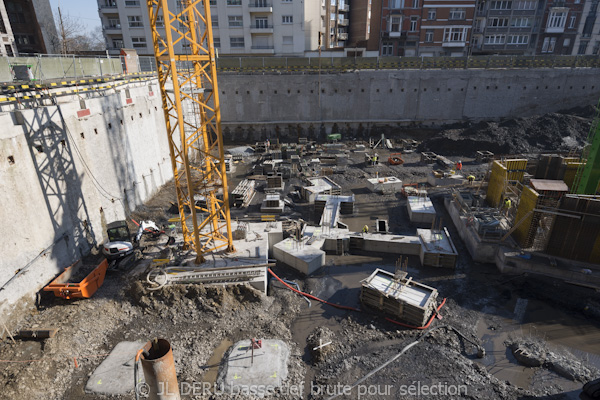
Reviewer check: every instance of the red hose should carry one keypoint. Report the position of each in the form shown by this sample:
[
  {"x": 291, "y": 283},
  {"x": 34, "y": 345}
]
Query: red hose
[{"x": 356, "y": 309}]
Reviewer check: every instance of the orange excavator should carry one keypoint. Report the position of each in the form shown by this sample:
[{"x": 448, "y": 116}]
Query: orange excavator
[{"x": 395, "y": 159}]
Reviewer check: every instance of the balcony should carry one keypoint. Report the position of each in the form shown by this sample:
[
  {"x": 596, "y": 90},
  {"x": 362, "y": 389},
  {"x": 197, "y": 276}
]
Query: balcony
[
  {"x": 258, "y": 6},
  {"x": 108, "y": 8},
  {"x": 342, "y": 36},
  {"x": 262, "y": 49},
  {"x": 112, "y": 28},
  {"x": 261, "y": 29},
  {"x": 344, "y": 8},
  {"x": 454, "y": 44},
  {"x": 559, "y": 29},
  {"x": 342, "y": 22}
]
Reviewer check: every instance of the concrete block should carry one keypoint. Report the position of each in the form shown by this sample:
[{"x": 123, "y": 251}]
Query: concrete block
[{"x": 420, "y": 210}]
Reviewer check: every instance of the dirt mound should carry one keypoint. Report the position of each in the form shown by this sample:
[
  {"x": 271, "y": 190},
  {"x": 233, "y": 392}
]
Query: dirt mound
[
  {"x": 549, "y": 132},
  {"x": 211, "y": 299}
]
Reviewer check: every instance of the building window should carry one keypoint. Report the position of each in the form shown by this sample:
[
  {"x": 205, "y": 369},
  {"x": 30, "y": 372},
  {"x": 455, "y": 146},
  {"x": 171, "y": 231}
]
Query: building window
[
  {"x": 525, "y": 5},
  {"x": 494, "y": 39},
  {"x": 413, "y": 23},
  {"x": 114, "y": 23},
  {"x": 286, "y": 1},
  {"x": 213, "y": 3},
  {"x": 431, "y": 14},
  {"x": 518, "y": 39},
  {"x": 395, "y": 24},
  {"x": 387, "y": 49},
  {"x": 582, "y": 47},
  {"x": 287, "y": 19},
  {"x": 132, "y": 3},
  {"x": 214, "y": 21},
  {"x": 236, "y": 42},
  {"x": 135, "y": 21},
  {"x": 395, "y": 4},
  {"x": 160, "y": 21},
  {"x": 415, "y": 3},
  {"x": 455, "y": 34},
  {"x": 234, "y": 2},
  {"x": 498, "y": 22},
  {"x": 288, "y": 40},
  {"x": 548, "y": 45},
  {"x": 521, "y": 23},
  {"x": 217, "y": 42},
  {"x": 566, "y": 42},
  {"x": 501, "y": 5},
  {"x": 235, "y": 21},
  {"x": 572, "y": 21},
  {"x": 596, "y": 49},
  {"x": 557, "y": 19},
  {"x": 9, "y": 50},
  {"x": 261, "y": 22},
  {"x": 138, "y": 42},
  {"x": 429, "y": 36},
  {"x": 457, "y": 13}
]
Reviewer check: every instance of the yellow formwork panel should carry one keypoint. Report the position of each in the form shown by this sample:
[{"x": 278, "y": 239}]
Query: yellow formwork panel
[
  {"x": 527, "y": 203},
  {"x": 570, "y": 172},
  {"x": 496, "y": 184},
  {"x": 516, "y": 169}
]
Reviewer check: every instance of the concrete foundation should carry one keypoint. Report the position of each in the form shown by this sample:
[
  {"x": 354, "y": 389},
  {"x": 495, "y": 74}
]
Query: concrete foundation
[
  {"x": 388, "y": 184},
  {"x": 420, "y": 210},
  {"x": 301, "y": 256},
  {"x": 249, "y": 376},
  {"x": 437, "y": 249},
  {"x": 114, "y": 376},
  {"x": 445, "y": 179}
]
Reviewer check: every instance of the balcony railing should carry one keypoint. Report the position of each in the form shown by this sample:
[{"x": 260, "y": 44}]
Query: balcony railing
[
  {"x": 343, "y": 22},
  {"x": 263, "y": 47},
  {"x": 112, "y": 27},
  {"x": 103, "y": 6},
  {"x": 259, "y": 4}
]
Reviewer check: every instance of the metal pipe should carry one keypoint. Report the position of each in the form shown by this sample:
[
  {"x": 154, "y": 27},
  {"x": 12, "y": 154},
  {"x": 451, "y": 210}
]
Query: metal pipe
[{"x": 159, "y": 370}]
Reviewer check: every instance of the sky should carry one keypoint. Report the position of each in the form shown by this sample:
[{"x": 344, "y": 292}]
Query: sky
[{"x": 84, "y": 10}]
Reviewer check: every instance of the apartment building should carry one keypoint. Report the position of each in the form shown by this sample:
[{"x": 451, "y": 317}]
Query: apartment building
[
  {"x": 400, "y": 27},
  {"x": 8, "y": 47},
  {"x": 507, "y": 26},
  {"x": 587, "y": 41},
  {"x": 446, "y": 27},
  {"x": 560, "y": 23},
  {"x": 240, "y": 27},
  {"x": 32, "y": 26}
]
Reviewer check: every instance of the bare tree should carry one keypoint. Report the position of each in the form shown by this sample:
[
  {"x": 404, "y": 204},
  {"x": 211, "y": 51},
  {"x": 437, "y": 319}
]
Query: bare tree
[{"x": 74, "y": 37}]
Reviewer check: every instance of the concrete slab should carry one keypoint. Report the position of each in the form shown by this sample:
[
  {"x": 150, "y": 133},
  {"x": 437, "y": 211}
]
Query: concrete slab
[
  {"x": 448, "y": 180},
  {"x": 114, "y": 375},
  {"x": 241, "y": 375}
]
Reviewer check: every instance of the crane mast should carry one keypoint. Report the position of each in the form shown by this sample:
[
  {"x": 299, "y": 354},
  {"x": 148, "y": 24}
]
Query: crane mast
[{"x": 190, "y": 98}]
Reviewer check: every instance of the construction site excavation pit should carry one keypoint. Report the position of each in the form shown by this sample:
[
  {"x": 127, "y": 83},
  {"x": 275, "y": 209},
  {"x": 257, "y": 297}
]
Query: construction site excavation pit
[{"x": 342, "y": 264}]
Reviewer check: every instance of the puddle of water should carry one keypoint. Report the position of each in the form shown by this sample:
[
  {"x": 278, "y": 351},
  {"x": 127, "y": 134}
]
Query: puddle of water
[{"x": 214, "y": 361}]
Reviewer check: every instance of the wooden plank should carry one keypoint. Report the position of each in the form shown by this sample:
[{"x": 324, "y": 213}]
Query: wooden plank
[{"x": 37, "y": 333}]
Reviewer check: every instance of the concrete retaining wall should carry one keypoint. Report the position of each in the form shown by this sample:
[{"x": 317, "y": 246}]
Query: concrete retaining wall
[
  {"x": 258, "y": 106},
  {"x": 64, "y": 178}
]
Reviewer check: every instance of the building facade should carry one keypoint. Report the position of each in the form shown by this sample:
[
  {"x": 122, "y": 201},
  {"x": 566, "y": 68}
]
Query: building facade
[
  {"x": 32, "y": 25},
  {"x": 8, "y": 47},
  {"x": 400, "y": 27},
  {"x": 560, "y": 23},
  {"x": 507, "y": 27},
  {"x": 240, "y": 27},
  {"x": 587, "y": 41},
  {"x": 446, "y": 27}
]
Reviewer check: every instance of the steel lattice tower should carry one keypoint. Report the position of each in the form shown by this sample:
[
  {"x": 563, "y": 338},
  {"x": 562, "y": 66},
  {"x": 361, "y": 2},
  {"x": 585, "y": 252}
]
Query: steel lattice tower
[{"x": 190, "y": 80}]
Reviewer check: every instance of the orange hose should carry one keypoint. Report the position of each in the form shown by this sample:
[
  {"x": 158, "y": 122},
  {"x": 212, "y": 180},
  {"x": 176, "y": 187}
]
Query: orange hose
[{"x": 356, "y": 309}]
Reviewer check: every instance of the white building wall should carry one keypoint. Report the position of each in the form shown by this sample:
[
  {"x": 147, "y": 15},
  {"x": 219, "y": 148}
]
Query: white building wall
[
  {"x": 593, "y": 46},
  {"x": 7, "y": 38}
]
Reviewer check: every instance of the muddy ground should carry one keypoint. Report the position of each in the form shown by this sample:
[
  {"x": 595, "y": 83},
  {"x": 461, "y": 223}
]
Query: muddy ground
[{"x": 552, "y": 322}]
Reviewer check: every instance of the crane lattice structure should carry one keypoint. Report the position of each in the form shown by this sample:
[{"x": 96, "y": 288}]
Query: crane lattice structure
[{"x": 190, "y": 80}]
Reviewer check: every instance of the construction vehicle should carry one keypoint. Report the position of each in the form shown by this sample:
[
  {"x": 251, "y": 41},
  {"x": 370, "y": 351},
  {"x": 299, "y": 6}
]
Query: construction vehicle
[
  {"x": 395, "y": 159},
  {"x": 120, "y": 244}
]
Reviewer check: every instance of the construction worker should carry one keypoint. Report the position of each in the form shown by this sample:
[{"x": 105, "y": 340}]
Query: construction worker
[
  {"x": 459, "y": 165},
  {"x": 366, "y": 229},
  {"x": 375, "y": 159},
  {"x": 470, "y": 178},
  {"x": 506, "y": 206}
]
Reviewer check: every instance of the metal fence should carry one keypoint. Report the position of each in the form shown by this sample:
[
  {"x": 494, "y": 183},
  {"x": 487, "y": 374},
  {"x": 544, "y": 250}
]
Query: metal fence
[{"x": 41, "y": 68}]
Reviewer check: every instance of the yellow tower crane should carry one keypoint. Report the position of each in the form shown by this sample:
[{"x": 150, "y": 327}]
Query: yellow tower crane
[{"x": 188, "y": 78}]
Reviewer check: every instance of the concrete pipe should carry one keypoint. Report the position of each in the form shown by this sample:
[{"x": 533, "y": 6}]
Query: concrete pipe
[{"x": 159, "y": 370}]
